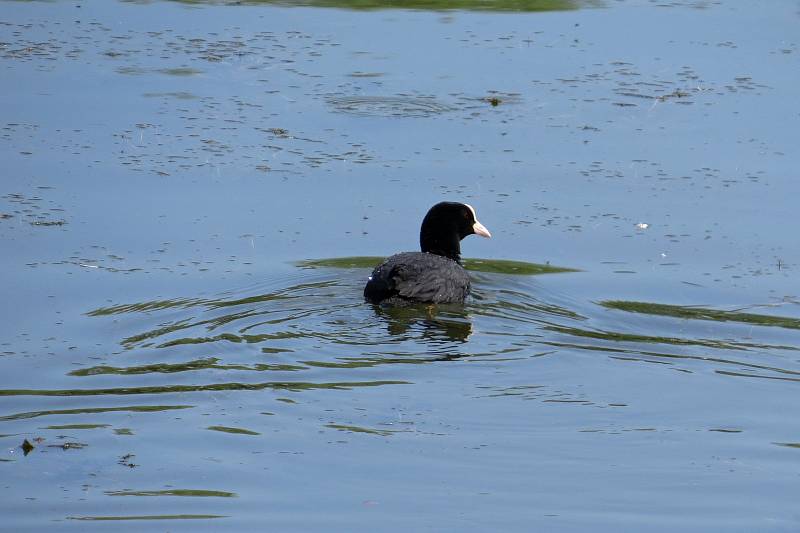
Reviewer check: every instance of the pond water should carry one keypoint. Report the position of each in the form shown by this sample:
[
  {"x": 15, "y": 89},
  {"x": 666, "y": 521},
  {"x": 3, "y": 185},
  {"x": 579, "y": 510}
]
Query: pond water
[{"x": 193, "y": 194}]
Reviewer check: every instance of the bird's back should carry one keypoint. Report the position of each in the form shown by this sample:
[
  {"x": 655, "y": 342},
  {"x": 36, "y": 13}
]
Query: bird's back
[{"x": 418, "y": 277}]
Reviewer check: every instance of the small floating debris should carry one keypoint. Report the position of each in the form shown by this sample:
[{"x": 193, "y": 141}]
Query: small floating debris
[
  {"x": 127, "y": 460},
  {"x": 180, "y": 71},
  {"x": 359, "y": 74},
  {"x": 27, "y": 447},
  {"x": 69, "y": 445},
  {"x": 48, "y": 222},
  {"x": 677, "y": 93},
  {"x": 493, "y": 98},
  {"x": 642, "y": 225},
  {"x": 389, "y": 106}
]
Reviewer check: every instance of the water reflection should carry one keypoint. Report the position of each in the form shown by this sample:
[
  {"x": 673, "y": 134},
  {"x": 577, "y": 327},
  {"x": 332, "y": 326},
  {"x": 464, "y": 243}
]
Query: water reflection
[{"x": 432, "y": 324}]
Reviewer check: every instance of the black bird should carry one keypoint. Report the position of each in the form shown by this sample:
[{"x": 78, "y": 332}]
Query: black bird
[{"x": 435, "y": 274}]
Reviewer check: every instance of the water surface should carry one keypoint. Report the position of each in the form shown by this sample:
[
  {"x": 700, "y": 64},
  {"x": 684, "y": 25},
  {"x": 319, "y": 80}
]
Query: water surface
[{"x": 194, "y": 193}]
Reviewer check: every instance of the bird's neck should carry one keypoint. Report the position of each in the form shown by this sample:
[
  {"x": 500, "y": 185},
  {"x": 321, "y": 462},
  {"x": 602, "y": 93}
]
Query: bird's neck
[{"x": 439, "y": 244}]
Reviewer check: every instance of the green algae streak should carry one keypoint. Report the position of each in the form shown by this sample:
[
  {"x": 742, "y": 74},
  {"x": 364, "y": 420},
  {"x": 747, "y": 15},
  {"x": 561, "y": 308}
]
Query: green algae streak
[
  {"x": 493, "y": 266},
  {"x": 427, "y": 5},
  {"x": 702, "y": 313}
]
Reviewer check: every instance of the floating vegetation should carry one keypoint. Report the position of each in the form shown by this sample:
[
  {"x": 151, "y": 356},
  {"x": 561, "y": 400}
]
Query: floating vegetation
[
  {"x": 494, "y": 266},
  {"x": 197, "y": 364},
  {"x": 78, "y": 426},
  {"x": 359, "y": 429},
  {"x": 147, "y": 517},
  {"x": 702, "y": 313},
  {"x": 180, "y": 95},
  {"x": 505, "y": 266},
  {"x": 180, "y": 71},
  {"x": 617, "y": 336},
  {"x": 91, "y": 410},
  {"x": 69, "y": 445},
  {"x": 432, "y": 5},
  {"x": 174, "y": 492},
  {"x": 342, "y": 262},
  {"x": 389, "y": 106},
  {"x": 167, "y": 389},
  {"x": 280, "y": 132},
  {"x": 359, "y": 74},
  {"x": 237, "y": 431},
  {"x": 48, "y": 222}
]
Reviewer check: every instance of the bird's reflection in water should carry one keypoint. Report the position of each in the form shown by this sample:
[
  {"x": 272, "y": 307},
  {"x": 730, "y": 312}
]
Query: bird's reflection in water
[{"x": 437, "y": 325}]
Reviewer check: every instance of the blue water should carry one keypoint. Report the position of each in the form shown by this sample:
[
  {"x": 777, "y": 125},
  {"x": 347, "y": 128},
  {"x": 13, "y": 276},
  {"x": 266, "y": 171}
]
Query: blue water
[{"x": 167, "y": 165}]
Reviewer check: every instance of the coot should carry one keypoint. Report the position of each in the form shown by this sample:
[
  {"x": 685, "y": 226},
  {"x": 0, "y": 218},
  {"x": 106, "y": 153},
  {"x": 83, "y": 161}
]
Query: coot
[{"x": 435, "y": 274}]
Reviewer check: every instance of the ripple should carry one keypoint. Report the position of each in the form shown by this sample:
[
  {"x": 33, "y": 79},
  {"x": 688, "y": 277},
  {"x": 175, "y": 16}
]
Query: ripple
[{"x": 314, "y": 323}]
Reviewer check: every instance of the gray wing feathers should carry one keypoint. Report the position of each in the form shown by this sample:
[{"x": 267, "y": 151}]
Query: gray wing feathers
[
  {"x": 419, "y": 277},
  {"x": 431, "y": 285}
]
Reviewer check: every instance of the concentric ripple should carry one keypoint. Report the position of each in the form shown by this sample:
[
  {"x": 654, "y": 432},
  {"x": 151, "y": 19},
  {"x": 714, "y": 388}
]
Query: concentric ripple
[{"x": 312, "y": 331}]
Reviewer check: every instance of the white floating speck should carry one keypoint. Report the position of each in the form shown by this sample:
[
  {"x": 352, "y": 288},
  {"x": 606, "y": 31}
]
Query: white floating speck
[{"x": 642, "y": 225}]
